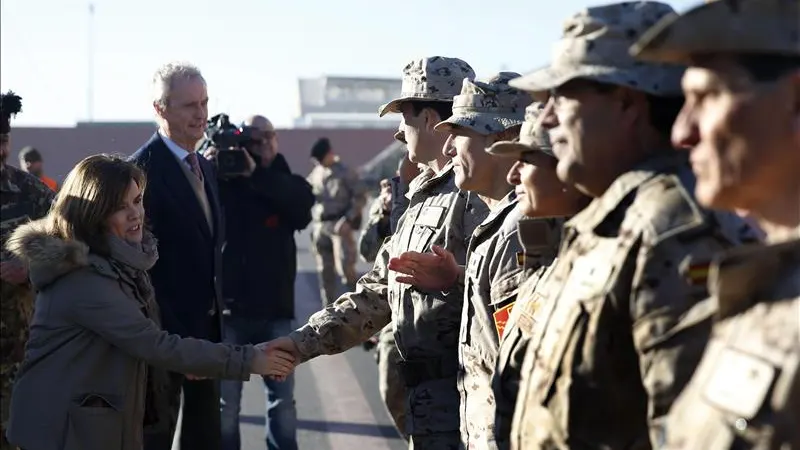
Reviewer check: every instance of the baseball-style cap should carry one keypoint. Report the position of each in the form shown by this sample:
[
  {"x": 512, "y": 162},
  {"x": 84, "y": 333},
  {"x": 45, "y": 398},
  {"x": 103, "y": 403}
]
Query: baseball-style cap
[
  {"x": 431, "y": 79},
  {"x": 594, "y": 46},
  {"x": 733, "y": 27},
  {"x": 532, "y": 137},
  {"x": 488, "y": 106}
]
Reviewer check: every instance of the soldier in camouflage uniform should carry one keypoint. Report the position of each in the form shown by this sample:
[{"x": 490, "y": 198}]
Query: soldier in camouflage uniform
[
  {"x": 22, "y": 198},
  {"x": 340, "y": 199},
  {"x": 378, "y": 227},
  {"x": 425, "y": 323},
  {"x": 541, "y": 195},
  {"x": 619, "y": 338},
  {"x": 384, "y": 215},
  {"x": 390, "y": 383},
  {"x": 485, "y": 112},
  {"x": 740, "y": 124}
]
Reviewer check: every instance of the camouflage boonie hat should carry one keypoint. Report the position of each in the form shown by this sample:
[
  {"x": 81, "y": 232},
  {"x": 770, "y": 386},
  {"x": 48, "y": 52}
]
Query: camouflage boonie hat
[
  {"x": 595, "y": 46},
  {"x": 432, "y": 79},
  {"x": 733, "y": 27},
  {"x": 488, "y": 106},
  {"x": 532, "y": 137}
]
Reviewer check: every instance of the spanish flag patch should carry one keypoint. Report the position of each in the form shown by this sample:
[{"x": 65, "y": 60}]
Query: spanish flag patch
[
  {"x": 697, "y": 274},
  {"x": 501, "y": 317}
]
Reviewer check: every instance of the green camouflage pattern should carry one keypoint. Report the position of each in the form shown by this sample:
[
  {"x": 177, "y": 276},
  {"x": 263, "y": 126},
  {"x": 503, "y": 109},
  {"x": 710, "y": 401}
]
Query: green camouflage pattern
[{"x": 22, "y": 198}]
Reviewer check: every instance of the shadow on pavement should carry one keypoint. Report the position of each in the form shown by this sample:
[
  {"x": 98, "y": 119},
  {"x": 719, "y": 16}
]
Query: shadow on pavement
[{"x": 360, "y": 429}]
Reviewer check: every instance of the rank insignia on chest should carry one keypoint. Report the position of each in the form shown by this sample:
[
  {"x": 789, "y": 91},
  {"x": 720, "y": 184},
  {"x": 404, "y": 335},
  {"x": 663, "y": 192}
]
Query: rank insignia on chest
[
  {"x": 520, "y": 259},
  {"x": 501, "y": 317}
]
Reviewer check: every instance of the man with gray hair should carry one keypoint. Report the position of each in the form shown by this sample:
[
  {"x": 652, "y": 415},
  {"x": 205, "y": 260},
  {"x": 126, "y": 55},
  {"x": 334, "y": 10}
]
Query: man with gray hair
[{"x": 183, "y": 213}]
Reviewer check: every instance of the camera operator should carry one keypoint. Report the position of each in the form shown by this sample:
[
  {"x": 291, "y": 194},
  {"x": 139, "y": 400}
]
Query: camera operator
[{"x": 264, "y": 205}]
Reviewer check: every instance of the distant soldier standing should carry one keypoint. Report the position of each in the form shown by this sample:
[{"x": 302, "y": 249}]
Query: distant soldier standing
[
  {"x": 22, "y": 198},
  {"x": 337, "y": 215},
  {"x": 740, "y": 123}
]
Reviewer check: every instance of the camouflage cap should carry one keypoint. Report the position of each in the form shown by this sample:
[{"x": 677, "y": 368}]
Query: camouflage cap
[
  {"x": 488, "y": 106},
  {"x": 595, "y": 45},
  {"x": 532, "y": 137},
  {"x": 745, "y": 26},
  {"x": 431, "y": 79}
]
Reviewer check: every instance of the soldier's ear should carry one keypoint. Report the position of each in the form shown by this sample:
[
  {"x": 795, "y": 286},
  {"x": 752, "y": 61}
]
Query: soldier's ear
[{"x": 431, "y": 118}]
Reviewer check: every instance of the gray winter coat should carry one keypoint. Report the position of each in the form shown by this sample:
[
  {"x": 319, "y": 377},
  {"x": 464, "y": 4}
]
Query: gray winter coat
[{"x": 82, "y": 384}]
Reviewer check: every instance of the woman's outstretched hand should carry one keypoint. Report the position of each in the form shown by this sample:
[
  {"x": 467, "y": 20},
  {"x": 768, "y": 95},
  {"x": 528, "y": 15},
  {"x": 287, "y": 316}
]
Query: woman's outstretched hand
[{"x": 276, "y": 359}]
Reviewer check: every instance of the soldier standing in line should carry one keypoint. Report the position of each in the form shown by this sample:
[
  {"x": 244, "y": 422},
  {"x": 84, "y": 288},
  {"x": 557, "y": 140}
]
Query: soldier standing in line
[
  {"x": 384, "y": 214},
  {"x": 614, "y": 347},
  {"x": 425, "y": 323},
  {"x": 341, "y": 197},
  {"x": 377, "y": 228},
  {"x": 23, "y": 198},
  {"x": 541, "y": 195},
  {"x": 485, "y": 112},
  {"x": 740, "y": 123}
]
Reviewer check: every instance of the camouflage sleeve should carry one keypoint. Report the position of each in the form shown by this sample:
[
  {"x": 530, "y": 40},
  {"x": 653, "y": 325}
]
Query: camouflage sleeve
[
  {"x": 42, "y": 198},
  {"x": 377, "y": 229},
  {"x": 352, "y": 319},
  {"x": 671, "y": 318},
  {"x": 358, "y": 192},
  {"x": 399, "y": 202}
]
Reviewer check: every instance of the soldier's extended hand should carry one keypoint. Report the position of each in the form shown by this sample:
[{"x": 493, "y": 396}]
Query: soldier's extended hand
[
  {"x": 437, "y": 271},
  {"x": 13, "y": 272}
]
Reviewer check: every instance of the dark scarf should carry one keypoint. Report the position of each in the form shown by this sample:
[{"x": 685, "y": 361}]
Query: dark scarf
[{"x": 132, "y": 261}]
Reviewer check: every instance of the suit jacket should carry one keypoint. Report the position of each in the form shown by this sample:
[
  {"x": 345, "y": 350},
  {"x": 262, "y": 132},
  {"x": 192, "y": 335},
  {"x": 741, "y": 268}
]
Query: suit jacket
[{"x": 188, "y": 275}]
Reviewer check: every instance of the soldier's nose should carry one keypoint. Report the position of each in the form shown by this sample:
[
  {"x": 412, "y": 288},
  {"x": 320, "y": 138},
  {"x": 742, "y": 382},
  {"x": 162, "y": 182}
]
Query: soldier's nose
[{"x": 685, "y": 132}]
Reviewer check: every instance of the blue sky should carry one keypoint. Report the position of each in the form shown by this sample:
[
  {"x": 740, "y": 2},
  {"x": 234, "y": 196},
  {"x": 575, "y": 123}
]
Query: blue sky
[{"x": 251, "y": 52}]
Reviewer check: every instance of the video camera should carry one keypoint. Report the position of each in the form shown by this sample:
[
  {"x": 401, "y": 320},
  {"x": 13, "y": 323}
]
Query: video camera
[{"x": 231, "y": 142}]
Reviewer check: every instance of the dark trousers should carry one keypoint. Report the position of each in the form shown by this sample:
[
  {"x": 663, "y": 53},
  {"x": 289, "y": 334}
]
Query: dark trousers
[{"x": 200, "y": 426}]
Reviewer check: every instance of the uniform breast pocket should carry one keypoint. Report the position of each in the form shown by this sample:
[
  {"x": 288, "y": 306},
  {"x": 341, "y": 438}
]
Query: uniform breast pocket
[
  {"x": 739, "y": 383},
  {"x": 421, "y": 238},
  {"x": 567, "y": 327}
]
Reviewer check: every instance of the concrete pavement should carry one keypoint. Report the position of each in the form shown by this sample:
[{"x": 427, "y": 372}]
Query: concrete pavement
[{"x": 338, "y": 403}]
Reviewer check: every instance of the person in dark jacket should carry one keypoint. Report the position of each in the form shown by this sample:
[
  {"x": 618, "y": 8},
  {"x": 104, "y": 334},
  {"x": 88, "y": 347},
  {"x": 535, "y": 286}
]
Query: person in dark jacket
[
  {"x": 263, "y": 209},
  {"x": 183, "y": 212}
]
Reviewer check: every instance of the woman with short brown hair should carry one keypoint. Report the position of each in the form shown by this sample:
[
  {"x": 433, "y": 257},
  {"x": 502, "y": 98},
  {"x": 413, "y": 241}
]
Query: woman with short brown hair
[{"x": 83, "y": 382}]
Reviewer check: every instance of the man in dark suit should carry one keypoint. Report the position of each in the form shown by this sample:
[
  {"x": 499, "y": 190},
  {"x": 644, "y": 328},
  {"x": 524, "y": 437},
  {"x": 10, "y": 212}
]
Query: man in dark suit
[{"x": 183, "y": 211}]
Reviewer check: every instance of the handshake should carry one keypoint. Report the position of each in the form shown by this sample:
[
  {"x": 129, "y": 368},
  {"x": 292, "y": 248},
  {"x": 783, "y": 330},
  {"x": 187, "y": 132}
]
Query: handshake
[{"x": 276, "y": 359}]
